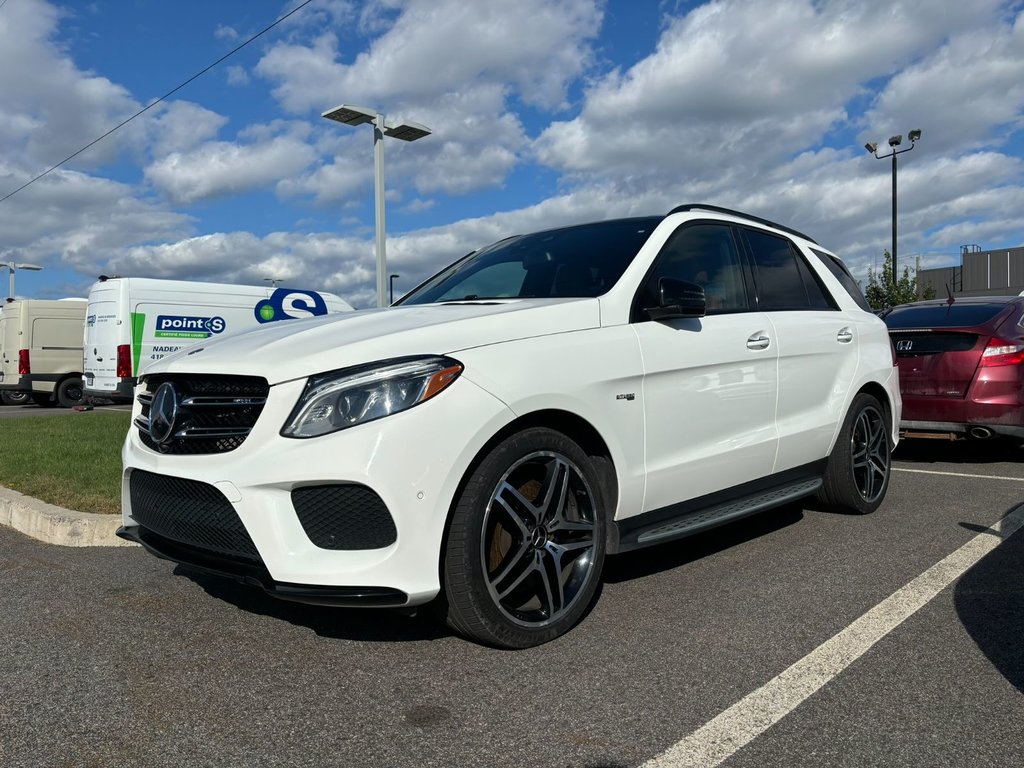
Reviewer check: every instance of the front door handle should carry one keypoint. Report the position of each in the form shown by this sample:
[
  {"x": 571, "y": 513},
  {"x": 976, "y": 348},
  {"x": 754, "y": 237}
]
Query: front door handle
[
  {"x": 758, "y": 341},
  {"x": 845, "y": 336}
]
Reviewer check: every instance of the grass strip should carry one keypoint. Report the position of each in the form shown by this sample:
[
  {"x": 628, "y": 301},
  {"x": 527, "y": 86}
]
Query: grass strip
[{"x": 72, "y": 460}]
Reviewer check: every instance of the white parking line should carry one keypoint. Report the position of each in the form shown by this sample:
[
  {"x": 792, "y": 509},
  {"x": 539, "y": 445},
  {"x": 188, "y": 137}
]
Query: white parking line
[
  {"x": 744, "y": 721},
  {"x": 958, "y": 474}
]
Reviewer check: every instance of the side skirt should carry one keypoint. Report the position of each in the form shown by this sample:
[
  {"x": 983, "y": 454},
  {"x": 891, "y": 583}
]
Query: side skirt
[{"x": 689, "y": 517}]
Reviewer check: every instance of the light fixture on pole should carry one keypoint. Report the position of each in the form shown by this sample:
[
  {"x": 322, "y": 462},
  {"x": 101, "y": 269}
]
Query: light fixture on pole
[
  {"x": 405, "y": 131},
  {"x": 894, "y": 141},
  {"x": 11, "y": 266},
  {"x": 273, "y": 281}
]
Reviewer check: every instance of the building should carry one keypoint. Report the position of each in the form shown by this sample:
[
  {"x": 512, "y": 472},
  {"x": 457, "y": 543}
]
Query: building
[{"x": 980, "y": 273}]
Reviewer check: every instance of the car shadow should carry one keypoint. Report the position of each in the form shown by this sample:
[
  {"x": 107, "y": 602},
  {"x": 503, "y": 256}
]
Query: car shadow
[
  {"x": 989, "y": 602},
  {"x": 665, "y": 557},
  {"x": 929, "y": 451},
  {"x": 381, "y": 625}
]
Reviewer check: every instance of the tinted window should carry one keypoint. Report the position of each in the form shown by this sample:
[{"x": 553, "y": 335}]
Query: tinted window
[
  {"x": 842, "y": 274},
  {"x": 817, "y": 296},
  {"x": 942, "y": 315},
  {"x": 575, "y": 261},
  {"x": 706, "y": 255},
  {"x": 779, "y": 284}
]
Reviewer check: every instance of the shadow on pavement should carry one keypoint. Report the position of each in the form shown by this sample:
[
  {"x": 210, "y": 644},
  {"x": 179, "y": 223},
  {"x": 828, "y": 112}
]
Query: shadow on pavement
[
  {"x": 665, "y": 557},
  {"x": 958, "y": 451},
  {"x": 362, "y": 624},
  {"x": 989, "y": 601}
]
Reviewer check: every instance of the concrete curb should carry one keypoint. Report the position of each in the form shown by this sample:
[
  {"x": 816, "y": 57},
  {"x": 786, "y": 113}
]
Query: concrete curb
[{"x": 56, "y": 525}]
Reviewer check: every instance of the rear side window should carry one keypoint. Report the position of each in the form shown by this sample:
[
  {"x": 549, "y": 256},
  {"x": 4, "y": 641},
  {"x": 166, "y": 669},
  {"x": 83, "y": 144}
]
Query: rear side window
[
  {"x": 784, "y": 281},
  {"x": 943, "y": 315},
  {"x": 842, "y": 274}
]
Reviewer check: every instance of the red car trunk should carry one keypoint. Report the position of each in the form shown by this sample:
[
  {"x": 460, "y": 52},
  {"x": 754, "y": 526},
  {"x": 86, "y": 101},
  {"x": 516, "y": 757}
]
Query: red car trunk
[
  {"x": 938, "y": 363},
  {"x": 961, "y": 365}
]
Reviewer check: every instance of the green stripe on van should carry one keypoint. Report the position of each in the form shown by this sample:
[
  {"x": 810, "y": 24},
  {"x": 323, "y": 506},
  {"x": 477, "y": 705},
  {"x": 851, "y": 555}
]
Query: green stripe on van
[{"x": 138, "y": 324}]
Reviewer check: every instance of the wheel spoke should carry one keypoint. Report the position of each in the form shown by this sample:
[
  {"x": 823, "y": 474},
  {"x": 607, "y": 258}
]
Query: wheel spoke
[
  {"x": 556, "y": 486},
  {"x": 532, "y": 563},
  {"x": 524, "y": 514},
  {"x": 551, "y": 578},
  {"x": 521, "y": 557}
]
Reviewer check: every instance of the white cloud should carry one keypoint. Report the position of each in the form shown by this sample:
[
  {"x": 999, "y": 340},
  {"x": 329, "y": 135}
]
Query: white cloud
[
  {"x": 224, "y": 32},
  {"x": 183, "y": 125},
  {"x": 452, "y": 65},
  {"x": 220, "y": 168},
  {"x": 41, "y": 88},
  {"x": 237, "y": 75}
]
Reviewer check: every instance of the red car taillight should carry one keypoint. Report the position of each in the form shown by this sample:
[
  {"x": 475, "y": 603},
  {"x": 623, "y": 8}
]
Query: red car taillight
[
  {"x": 24, "y": 367},
  {"x": 1002, "y": 352},
  {"x": 124, "y": 361}
]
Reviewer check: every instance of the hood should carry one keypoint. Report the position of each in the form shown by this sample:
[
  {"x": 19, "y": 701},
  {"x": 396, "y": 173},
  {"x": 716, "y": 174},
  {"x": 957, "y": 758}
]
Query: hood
[{"x": 294, "y": 349}]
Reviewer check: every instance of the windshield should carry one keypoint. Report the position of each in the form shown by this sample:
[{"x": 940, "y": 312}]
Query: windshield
[{"x": 586, "y": 260}]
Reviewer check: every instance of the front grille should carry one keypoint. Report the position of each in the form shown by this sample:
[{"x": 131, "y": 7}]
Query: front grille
[
  {"x": 344, "y": 517},
  {"x": 189, "y": 512},
  {"x": 214, "y": 414}
]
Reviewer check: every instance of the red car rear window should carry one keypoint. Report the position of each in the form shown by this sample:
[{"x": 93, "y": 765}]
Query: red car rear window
[{"x": 957, "y": 315}]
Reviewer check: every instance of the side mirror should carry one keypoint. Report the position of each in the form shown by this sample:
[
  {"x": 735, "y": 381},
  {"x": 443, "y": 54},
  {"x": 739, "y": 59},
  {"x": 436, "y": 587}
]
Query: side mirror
[{"x": 677, "y": 298}]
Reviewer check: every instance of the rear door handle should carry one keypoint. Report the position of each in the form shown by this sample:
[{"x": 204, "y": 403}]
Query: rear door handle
[
  {"x": 758, "y": 341},
  {"x": 845, "y": 336}
]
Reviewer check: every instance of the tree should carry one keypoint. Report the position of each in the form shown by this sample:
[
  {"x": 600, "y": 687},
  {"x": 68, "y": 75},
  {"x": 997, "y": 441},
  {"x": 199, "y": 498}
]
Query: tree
[{"x": 882, "y": 294}]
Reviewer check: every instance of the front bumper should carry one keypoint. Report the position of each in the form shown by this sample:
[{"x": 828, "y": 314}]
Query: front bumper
[
  {"x": 255, "y": 575},
  {"x": 414, "y": 461}
]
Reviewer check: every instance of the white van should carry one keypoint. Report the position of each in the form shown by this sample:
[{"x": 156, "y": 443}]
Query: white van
[
  {"x": 132, "y": 321},
  {"x": 41, "y": 349}
]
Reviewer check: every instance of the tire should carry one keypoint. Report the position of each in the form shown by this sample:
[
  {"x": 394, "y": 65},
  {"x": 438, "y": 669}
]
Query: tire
[
  {"x": 526, "y": 542},
  {"x": 11, "y": 397},
  {"x": 42, "y": 399},
  {"x": 69, "y": 392},
  {"x": 857, "y": 476}
]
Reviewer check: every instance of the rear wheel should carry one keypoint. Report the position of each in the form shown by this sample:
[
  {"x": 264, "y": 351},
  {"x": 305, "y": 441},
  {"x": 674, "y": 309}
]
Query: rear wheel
[
  {"x": 14, "y": 398},
  {"x": 69, "y": 392},
  {"x": 526, "y": 544},
  {"x": 858, "y": 471}
]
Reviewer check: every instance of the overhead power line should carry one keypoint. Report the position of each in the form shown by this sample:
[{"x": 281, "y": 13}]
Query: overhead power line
[{"x": 154, "y": 103}]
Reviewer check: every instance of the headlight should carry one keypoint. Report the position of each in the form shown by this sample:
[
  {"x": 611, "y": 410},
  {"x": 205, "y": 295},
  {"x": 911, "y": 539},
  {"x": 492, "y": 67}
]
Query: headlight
[{"x": 341, "y": 399}]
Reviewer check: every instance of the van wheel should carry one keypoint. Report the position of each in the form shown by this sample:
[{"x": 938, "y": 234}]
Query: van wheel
[
  {"x": 526, "y": 544},
  {"x": 42, "y": 399},
  {"x": 14, "y": 398},
  {"x": 859, "y": 467},
  {"x": 69, "y": 392}
]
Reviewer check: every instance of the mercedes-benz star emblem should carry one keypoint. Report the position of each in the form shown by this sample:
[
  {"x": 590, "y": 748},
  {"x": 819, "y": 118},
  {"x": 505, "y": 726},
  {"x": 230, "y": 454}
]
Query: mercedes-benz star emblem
[{"x": 162, "y": 413}]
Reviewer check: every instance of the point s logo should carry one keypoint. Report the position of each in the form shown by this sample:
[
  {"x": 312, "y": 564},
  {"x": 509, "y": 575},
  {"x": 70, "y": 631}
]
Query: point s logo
[
  {"x": 290, "y": 303},
  {"x": 185, "y": 327}
]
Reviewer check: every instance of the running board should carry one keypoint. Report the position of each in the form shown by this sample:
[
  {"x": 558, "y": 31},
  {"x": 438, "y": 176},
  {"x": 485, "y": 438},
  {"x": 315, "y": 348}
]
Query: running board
[{"x": 691, "y": 521}]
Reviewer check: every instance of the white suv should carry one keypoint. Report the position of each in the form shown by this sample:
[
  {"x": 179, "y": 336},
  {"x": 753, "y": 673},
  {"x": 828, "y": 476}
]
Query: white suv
[{"x": 541, "y": 403}]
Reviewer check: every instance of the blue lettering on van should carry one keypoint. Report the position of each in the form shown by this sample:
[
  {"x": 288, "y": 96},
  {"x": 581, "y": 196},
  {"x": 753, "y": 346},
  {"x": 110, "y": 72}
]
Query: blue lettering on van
[
  {"x": 185, "y": 327},
  {"x": 289, "y": 303}
]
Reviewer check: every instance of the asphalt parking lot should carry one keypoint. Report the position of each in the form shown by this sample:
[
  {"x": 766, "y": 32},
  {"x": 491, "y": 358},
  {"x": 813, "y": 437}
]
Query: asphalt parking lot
[
  {"x": 25, "y": 411},
  {"x": 114, "y": 658}
]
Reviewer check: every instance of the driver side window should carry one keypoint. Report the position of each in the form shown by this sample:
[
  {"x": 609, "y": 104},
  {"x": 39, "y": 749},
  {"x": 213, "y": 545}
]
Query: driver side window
[{"x": 706, "y": 255}]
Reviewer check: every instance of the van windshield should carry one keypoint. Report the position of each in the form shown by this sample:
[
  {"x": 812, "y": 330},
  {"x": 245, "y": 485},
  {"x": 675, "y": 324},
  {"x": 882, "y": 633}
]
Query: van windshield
[{"x": 581, "y": 261}]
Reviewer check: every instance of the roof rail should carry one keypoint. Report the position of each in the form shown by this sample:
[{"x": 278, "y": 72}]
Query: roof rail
[{"x": 731, "y": 212}]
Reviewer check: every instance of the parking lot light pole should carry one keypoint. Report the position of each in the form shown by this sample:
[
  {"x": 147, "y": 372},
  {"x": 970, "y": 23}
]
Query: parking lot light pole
[
  {"x": 405, "y": 131},
  {"x": 11, "y": 266},
  {"x": 894, "y": 142}
]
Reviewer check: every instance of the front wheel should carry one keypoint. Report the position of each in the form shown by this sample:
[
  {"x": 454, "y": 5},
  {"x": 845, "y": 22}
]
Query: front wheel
[
  {"x": 859, "y": 467},
  {"x": 526, "y": 543}
]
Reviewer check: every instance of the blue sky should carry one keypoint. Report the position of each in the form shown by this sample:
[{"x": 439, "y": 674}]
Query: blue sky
[{"x": 544, "y": 113}]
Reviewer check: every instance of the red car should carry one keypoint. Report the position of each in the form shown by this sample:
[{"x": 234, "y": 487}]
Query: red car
[{"x": 961, "y": 365}]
